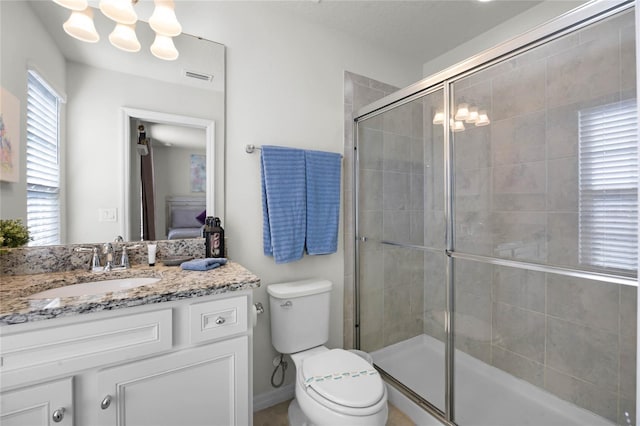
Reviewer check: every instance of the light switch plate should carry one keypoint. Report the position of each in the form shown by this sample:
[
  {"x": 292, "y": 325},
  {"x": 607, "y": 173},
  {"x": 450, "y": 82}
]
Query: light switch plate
[{"x": 108, "y": 215}]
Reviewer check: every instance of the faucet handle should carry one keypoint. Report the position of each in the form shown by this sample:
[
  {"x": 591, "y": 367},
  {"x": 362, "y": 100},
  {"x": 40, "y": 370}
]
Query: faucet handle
[
  {"x": 124, "y": 257},
  {"x": 95, "y": 258}
]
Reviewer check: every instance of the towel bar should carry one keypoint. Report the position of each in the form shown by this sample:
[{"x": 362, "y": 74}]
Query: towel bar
[{"x": 250, "y": 149}]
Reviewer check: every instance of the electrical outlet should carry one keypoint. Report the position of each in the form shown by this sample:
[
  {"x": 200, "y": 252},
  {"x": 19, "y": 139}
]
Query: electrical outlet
[{"x": 108, "y": 215}]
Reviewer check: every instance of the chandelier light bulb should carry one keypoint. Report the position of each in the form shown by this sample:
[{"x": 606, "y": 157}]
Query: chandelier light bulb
[
  {"x": 463, "y": 112},
  {"x": 438, "y": 118},
  {"x": 119, "y": 10},
  {"x": 473, "y": 115},
  {"x": 78, "y": 5},
  {"x": 164, "y": 21},
  {"x": 163, "y": 48},
  {"x": 80, "y": 26},
  {"x": 458, "y": 126},
  {"x": 124, "y": 38},
  {"x": 483, "y": 118}
]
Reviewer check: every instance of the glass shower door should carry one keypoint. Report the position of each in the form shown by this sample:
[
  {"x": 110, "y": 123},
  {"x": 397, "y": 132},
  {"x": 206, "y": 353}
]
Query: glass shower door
[
  {"x": 400, "y": 230},
  {"x": 545, "y": 216}
]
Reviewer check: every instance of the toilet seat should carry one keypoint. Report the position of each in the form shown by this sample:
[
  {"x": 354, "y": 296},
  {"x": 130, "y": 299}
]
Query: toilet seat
[{"x": 342, "y": 382}]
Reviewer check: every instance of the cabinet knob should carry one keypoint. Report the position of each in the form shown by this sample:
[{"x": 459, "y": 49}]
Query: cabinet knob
[
  {"x": 106, "y": 402},
  {"x": 58, "y": 415},
  {"x": 220, "y": 320}
]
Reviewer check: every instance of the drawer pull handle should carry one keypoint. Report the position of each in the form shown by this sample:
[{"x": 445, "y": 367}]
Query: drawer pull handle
[
  {"x": 220, "y": 320},
  {"x": 58, "y": 415},
  {"x": 106, "y": 402}
]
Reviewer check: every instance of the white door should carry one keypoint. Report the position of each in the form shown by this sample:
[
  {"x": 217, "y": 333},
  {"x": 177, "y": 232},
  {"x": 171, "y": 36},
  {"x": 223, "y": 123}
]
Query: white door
[
  {"x": 207, "y": 385},
  {"x": 44, "y": 404}
]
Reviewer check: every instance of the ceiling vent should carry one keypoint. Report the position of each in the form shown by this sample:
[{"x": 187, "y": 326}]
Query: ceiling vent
[{"x": 198, "y": 75}]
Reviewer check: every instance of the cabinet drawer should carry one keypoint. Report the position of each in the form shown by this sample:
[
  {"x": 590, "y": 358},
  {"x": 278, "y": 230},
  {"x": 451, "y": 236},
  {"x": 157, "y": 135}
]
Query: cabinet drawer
[
  {"x": 217, "y": 318},
  {"x": 50, "y": 350}
]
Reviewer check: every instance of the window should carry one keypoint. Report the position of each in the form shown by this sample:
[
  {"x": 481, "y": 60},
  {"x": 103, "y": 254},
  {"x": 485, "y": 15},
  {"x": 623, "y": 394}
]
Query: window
[
  {"x": 43, "y": 165},
  {"x": 608, "y": 172}
]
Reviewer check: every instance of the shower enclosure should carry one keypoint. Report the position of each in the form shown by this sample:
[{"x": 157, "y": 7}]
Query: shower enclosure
[{"x": 496, "y": 228}]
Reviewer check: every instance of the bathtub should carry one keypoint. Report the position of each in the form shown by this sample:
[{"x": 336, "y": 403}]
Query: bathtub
[{"x": 485, "y": 395}]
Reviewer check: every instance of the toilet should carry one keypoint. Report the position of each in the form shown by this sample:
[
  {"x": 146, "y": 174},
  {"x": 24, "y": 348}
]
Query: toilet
[{"x": 333, "y": 386}]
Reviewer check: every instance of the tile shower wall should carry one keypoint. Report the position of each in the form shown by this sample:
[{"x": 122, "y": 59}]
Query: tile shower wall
[
  {"x": 392, "y": 209},
  {"x": 516, "y": 196},
  {"x": 359, "y": 91}
]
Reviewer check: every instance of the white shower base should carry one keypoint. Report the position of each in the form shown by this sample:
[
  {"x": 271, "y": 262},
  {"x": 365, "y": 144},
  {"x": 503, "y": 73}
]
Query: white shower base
[{"x": 485, "y": 395}]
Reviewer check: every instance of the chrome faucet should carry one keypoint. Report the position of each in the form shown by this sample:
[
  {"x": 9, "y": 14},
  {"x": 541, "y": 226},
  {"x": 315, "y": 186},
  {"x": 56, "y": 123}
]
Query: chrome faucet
[{"x": 107, "y": 249}]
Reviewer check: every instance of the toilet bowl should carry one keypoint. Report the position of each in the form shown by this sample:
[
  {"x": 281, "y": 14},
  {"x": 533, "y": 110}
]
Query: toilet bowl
[
  {"x": 337, "y": 387},
  {"x": 333, "y": 386}
]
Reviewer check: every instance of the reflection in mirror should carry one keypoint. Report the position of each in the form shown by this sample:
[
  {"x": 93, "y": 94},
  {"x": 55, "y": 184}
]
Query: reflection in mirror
[
  {"x": 167, "y": 161},
  {"x": 96, "y": 84}
]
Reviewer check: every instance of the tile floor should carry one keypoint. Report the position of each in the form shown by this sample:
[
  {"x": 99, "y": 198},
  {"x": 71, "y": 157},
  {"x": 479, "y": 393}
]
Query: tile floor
[{"x": 277, "y": 416}]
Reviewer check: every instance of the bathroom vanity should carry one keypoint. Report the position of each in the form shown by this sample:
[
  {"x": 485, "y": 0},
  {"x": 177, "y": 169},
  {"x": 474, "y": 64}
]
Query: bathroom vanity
[{"x": 175, "y": 352}]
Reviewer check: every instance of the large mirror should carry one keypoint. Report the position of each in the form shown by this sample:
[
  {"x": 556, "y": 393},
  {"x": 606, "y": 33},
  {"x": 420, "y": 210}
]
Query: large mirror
[{"x": 107, "y": 95}]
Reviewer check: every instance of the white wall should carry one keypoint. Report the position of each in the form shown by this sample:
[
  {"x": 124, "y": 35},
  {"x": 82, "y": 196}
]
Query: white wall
[
  {"x": 36, "y": 50},
  {"x": 514, "y": 27},
  {"x": 100, "y": 153},
  {"x": 284, "y": 87}
]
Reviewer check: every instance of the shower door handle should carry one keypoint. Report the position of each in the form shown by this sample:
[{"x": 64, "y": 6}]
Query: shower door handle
[{"x": 362, "y": 239}]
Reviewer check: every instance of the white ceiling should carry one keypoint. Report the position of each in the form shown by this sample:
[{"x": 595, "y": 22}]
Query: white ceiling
[{"x": 422, "y": 29}]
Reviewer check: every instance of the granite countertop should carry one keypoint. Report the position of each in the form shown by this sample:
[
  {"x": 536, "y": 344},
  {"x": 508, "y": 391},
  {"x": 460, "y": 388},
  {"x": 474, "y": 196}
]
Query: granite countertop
[{"x": 174, "y": 284}]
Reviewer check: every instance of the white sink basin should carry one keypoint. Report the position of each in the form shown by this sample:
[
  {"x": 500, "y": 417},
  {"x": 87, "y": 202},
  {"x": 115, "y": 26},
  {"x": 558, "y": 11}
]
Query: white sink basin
[{"x": 94, "y": 287}]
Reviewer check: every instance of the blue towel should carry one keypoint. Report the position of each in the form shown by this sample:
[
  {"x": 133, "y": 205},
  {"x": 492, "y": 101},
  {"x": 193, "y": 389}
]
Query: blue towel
[
  {"x": 283, "y": 203},
  {"x": 323, "y": 201},
  {"x": 203, "y": 264}
]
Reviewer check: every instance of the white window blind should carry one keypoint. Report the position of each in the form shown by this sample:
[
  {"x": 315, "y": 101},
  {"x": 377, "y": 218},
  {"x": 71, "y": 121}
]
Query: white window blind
[
  {"x": 43, "y": 165},
  {"x": 608, "y": 172}
]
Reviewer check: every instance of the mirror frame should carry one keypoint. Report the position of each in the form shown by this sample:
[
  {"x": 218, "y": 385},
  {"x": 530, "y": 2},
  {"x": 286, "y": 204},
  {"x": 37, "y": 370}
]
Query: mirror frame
[{"x": 164, "y": 118}]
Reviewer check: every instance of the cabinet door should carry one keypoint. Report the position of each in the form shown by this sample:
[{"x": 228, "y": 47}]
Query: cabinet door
[
  {"x": 208, "y": 385},
  {"x": 44, "y": 404}
]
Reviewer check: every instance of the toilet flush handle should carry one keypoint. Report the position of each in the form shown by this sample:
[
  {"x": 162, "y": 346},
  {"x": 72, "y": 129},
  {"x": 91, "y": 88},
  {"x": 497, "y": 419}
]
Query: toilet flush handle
[{"x": 287, "y": 304}]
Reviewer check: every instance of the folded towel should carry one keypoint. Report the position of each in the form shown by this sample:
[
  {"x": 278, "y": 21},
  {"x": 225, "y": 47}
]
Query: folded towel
[
  {"x": 323, "y": 201},
  {"x": 203, "y": 264},
  {"x": 283, "y": 203}
]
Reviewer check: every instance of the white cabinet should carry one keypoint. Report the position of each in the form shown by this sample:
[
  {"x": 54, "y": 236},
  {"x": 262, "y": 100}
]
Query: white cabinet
[
  {"x": 201, "y": 386},
  {"x": 184, "y": 363},
  {"x": 43, "y": 404}
]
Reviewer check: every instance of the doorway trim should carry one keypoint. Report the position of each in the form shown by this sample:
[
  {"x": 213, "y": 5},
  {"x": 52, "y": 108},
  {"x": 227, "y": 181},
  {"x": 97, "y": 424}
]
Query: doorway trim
[{"x": 164, "y": 118}]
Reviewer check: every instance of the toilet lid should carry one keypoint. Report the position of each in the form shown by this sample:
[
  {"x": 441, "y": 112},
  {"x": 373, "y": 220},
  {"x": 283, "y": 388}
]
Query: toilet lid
[{"x": 343, "y": 378}]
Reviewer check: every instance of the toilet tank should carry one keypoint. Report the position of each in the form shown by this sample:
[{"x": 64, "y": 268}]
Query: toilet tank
[{"x": 299, "y": 314}]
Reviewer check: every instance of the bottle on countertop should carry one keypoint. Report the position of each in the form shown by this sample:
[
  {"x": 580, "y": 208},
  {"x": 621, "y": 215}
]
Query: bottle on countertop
[
  {"x": 217, "y": 238},
  {"x": 213, "y": 237},
  {"x": 206, "y": 233}
]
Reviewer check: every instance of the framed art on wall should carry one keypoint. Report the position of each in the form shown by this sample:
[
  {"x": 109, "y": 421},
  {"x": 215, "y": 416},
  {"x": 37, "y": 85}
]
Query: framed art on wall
[
  {"x": 9, "y": 137},
  {"x": 198, "y": 176}
]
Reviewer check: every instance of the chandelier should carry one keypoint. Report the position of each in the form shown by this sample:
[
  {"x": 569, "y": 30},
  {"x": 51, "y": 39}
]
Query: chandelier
[{"x": 163, "y": 21}]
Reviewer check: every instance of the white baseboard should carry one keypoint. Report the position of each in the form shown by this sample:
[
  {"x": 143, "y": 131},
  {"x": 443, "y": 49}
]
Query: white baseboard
[{"x": 273, "y": 397}]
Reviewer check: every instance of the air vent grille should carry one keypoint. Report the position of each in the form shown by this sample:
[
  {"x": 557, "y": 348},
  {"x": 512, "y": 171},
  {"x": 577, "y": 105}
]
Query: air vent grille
[{"x": 198, "y": 75}]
